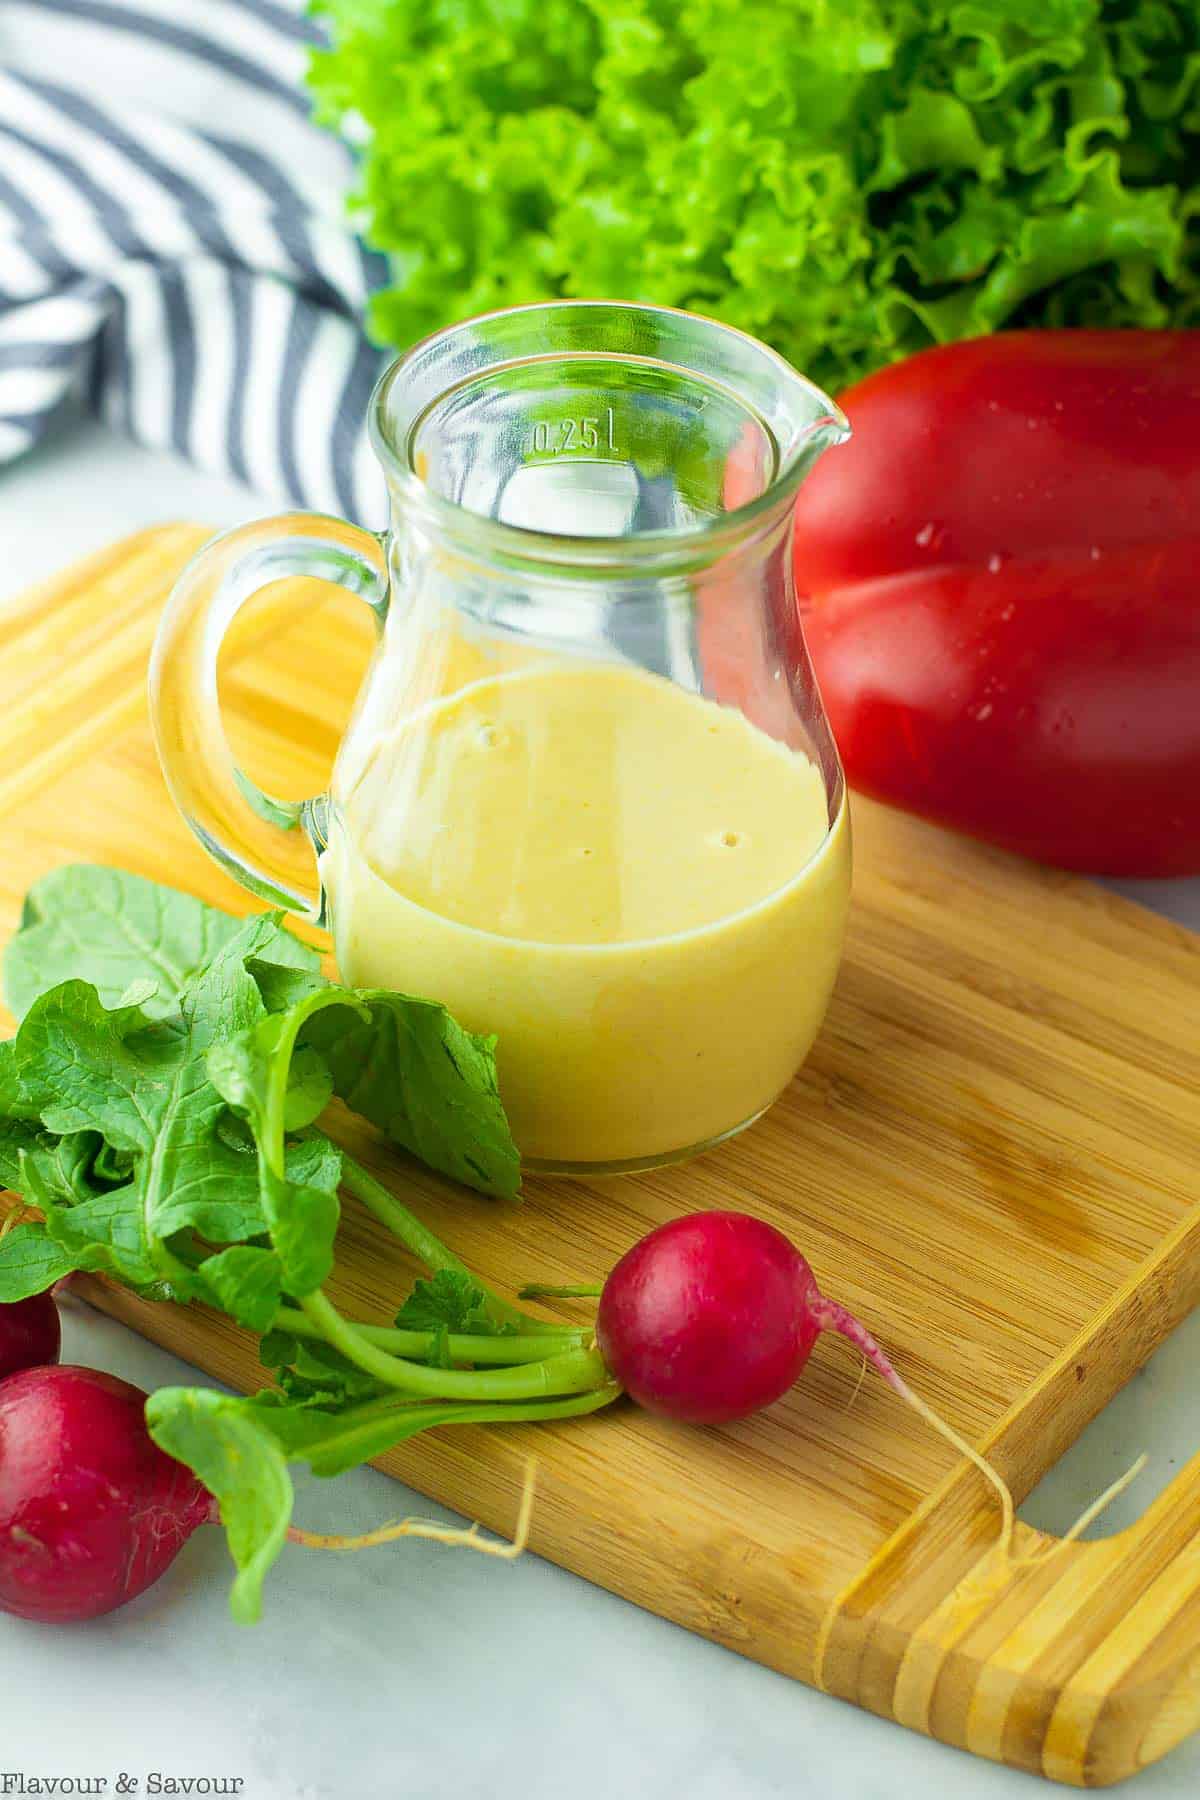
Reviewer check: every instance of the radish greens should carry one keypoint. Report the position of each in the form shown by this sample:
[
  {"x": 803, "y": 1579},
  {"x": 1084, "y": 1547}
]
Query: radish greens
[{"x": 158, "y": 1111}]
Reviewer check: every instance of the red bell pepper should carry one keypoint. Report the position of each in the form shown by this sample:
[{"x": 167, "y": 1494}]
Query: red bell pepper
[{"x": 1001, "y": 585}]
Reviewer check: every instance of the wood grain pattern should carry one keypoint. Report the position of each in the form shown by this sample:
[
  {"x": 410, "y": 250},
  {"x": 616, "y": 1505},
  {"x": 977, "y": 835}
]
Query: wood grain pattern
[{"x": 991, "y": 1155}]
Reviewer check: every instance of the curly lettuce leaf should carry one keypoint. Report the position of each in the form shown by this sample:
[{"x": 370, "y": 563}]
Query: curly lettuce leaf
[{"x": 850, "y": 183}]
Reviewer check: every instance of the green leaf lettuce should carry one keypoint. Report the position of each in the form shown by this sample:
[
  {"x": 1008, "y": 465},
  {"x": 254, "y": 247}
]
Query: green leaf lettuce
[{"x": 849, "y": 182}]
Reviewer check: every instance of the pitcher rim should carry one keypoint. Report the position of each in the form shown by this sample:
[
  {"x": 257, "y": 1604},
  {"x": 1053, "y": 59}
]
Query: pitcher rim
[{"x": 696, "y": 543}]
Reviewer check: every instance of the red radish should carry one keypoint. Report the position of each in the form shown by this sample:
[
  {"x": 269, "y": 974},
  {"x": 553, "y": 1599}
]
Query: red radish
[
  {"x": 713, "y": 1316},
  {"x": 30, "y": 1334},
  {"x": 91, "y": 1510}
]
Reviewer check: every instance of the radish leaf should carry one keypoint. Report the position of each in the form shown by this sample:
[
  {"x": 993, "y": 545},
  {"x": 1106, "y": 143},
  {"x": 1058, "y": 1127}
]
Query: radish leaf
[
  {"x": 410, "y": 1067},
  {"x": 146, "y": 1106},
  {"x": 242, "y": 1465},
  {"x": 103, "y": 1234},
  {"x": 427, "y": 1083},
  {"x": 140, "y": 1086},
  {"x": 245, "y": 1281},
  {"x": 30, "y": 1262},
  {"x": 450, "y": 1301},
  {"x": 113, "y": 929},
  {"x": 312, "y": 1372}
]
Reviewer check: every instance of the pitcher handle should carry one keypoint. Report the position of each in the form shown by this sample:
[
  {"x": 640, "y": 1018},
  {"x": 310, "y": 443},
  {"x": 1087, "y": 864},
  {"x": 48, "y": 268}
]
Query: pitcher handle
[{"x": 251, "y": 834}]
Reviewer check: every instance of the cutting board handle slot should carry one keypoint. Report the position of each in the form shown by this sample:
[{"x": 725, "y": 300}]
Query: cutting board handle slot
[{"x": 1082, "y": 1665}]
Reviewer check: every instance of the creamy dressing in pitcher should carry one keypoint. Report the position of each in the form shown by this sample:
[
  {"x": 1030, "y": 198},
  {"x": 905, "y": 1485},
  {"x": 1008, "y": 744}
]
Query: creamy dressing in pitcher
[{"x": 637, "y": 890}]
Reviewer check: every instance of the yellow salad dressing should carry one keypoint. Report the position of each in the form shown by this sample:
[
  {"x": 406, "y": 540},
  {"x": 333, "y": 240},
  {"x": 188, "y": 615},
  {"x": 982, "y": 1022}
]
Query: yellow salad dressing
[{"x": 637, "y": 890}]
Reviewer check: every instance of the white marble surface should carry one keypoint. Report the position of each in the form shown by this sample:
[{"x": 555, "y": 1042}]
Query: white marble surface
[{"x": 416, "y": 1671}]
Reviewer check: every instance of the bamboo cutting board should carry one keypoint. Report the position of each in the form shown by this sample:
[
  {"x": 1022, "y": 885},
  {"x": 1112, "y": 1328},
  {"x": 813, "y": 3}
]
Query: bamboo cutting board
[{"x": 991, "y": 1156}]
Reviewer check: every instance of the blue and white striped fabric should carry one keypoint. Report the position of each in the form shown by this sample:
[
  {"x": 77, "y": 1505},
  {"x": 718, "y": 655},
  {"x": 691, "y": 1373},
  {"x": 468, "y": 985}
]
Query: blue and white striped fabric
[{"x": 173, "y": 250}]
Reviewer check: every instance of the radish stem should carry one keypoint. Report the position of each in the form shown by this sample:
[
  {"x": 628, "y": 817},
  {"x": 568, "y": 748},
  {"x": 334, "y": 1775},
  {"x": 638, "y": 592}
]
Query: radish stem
[
  {"x": 566, "y": 1372},
  {"x": 463, "y": 1347},
  {"x": 423, "y": 1243},
  {"x": 536, "y": 1290},
  {"x": 399, "y": 1220}
]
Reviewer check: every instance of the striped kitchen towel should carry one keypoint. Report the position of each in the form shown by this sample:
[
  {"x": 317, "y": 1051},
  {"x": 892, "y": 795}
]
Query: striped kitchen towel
[{"x": 173, "y": 252}]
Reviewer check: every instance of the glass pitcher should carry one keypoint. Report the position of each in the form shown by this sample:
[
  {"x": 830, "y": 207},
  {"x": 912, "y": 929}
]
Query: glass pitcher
[{"x": 588, "y": 797}]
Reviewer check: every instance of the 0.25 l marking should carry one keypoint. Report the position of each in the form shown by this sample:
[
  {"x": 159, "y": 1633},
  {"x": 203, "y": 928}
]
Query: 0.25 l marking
[{"x": 561, "y": 436}]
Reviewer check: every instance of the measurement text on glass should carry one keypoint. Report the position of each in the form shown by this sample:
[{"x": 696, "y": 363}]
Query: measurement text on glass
[{"x": 561, "y": 437}]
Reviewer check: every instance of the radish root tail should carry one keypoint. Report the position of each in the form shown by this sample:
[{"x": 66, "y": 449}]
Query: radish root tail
[
  {"x": 468, "y": 1538},
  {"x": 833, "y": 1317},
  {"x": 988, "y": 1579},
  {"x": 862, "y": 1376},
  {"x": 993, "y": 1476},
  {"x": 1046, "y": 1553}
]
